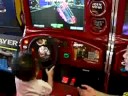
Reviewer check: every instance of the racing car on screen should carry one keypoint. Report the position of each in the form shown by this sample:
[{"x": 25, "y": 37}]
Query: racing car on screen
[{"x": 66, "y": 13}]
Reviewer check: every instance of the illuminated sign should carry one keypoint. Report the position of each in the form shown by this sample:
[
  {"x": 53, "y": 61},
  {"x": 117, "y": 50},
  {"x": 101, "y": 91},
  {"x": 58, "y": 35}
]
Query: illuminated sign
[
  {"x": 9, "y": 41},
  {"x": 77, "y": 44}
]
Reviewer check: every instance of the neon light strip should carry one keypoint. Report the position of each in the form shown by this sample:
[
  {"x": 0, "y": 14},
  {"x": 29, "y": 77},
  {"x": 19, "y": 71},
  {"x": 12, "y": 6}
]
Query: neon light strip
[{"x": 8, "y": 48}]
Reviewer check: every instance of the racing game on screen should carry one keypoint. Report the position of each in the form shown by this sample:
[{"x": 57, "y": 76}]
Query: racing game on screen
[{"x": 63, "y": 14}]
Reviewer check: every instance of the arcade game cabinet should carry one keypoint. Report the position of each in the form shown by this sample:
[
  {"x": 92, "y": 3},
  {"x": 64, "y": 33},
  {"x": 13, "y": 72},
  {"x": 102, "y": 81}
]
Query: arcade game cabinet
[
  {"x": 8, "y": 50},
  {"x": 10, "y": 35},
  {"x": 73, "y": 34},
  {"x": 10, "y": 30},
  {"x": 119, "y": 73}
]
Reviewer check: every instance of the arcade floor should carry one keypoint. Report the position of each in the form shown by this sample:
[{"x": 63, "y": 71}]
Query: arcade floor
[
  {"x": 118, "y": 84},
  {"x": 7, "y": 84}
]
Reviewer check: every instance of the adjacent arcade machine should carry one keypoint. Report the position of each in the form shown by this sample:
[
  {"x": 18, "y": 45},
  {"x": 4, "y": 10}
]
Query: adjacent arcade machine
[
  {"x": 9, "y": 47},
  {"x": 10, "y": 35},
  {"x": 73, "y": 34},
  {"x": 10, "y": 31},
  {"x": 119, "y": 77}
]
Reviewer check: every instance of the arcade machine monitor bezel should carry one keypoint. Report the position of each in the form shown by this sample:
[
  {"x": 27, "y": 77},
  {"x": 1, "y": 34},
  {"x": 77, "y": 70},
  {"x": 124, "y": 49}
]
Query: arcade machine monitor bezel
[
  {"x": 57, "y": 14},
  {"x": 96, "y": 22}
]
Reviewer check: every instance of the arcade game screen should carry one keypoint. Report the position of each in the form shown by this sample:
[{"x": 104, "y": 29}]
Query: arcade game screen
[
  {"x": 125, "y": 26},
  {"x": 8, "y": 20},
  {"x": 67, "y": 14},
  {"x": 7, "y": 14}
]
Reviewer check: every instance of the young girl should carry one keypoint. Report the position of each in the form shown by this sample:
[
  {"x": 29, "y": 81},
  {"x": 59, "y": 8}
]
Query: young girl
[{"x": 25, "y": 70}]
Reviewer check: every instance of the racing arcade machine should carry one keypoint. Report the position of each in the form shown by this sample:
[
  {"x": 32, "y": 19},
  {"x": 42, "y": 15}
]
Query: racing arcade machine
[
  {"x": 71, "y": 34},
  {"x": 119, "y": 77}
]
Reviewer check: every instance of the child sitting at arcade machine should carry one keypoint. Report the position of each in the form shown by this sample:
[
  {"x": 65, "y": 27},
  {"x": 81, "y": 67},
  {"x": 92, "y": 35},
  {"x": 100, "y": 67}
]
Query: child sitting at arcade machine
[
  {"x": 89, "y": 91},
  {"x": 25, "y": 69}
]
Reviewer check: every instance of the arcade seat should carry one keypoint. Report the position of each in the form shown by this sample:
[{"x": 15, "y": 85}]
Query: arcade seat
[{"x": 7, "y": 83}]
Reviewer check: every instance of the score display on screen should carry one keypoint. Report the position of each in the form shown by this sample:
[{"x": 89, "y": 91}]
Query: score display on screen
[
  {"x": 64, "y": 14},
  {"x": 125, "y": 26},
  {"x": 8, "y": 14}
]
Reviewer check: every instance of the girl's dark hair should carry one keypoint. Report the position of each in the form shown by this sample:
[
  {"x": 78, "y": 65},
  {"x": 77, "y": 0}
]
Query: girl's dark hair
[{"x": 24, "y": 66}]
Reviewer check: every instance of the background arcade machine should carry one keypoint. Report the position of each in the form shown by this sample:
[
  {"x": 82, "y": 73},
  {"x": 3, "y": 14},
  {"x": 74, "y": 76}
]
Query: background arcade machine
[
  {"x": 73, "y": 35},
  {"x": 10, "y": 35},
  {"x": 119, "y": 73},
  {"x": 8, "y": 49}
]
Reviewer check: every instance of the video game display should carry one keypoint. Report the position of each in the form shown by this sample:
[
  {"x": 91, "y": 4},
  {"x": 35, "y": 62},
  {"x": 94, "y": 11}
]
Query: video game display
[
  {"x": 8, "y": 14},
  {"x": 125, "y": 26},
  {"x": 67, "y": 14}
]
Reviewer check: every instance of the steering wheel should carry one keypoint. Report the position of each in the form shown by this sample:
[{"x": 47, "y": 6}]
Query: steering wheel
[{"x": 45, "y": 49}]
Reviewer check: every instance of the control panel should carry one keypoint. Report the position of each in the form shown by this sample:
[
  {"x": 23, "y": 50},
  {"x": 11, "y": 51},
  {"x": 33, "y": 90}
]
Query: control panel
[{"x": 66, "y": 50}]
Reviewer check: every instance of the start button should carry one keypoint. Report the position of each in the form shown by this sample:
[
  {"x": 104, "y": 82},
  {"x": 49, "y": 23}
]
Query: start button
[{"x": 66, "y": 55}]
